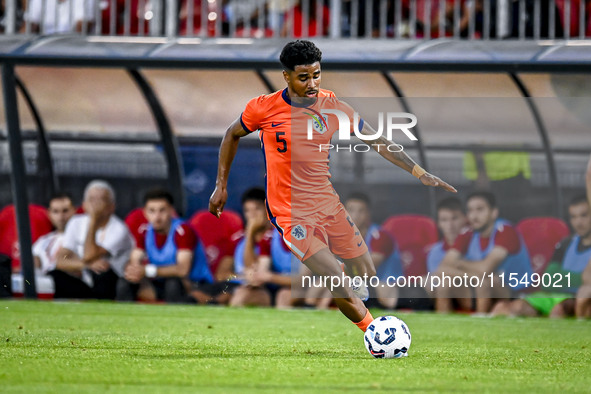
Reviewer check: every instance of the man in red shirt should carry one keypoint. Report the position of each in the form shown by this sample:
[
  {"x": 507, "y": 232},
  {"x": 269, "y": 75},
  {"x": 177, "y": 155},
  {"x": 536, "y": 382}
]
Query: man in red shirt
[
  {"x": 164, "y": 252},
  {"x": 490, "y": 245}
]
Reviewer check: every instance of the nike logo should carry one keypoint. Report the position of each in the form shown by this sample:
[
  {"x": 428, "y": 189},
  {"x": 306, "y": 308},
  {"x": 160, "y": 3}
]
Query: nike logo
[
  {"x": 273, "y": 124},
  {"x": 359, "y": 244}
]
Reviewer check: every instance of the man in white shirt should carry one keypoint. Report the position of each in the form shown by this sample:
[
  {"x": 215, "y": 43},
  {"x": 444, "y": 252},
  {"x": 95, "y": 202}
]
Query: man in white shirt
[
  {"x": 60, "y": 211},
  {"x": 95, "y": 248},
  {"x": 60, "y": 16}
]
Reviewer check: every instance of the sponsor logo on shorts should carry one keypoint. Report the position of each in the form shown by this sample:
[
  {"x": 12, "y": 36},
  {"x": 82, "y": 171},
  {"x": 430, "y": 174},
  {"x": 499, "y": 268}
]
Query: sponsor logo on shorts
[{"x": 298, "y": 232}]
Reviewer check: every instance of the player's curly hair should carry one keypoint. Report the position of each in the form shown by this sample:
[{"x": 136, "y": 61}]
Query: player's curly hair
[{"x": 298, "y": 53}]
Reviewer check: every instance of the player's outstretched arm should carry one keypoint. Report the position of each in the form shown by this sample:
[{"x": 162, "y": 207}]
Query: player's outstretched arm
[
  {"x": 402, "y": 160},
  {"x": 228, "y": 149}
]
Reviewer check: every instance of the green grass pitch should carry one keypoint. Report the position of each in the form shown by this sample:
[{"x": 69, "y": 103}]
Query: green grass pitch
[{"x": 109, "y": 347}]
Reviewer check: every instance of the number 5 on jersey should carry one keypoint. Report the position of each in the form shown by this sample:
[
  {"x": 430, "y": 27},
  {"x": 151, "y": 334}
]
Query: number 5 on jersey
[{"x": 281, "y": 141}]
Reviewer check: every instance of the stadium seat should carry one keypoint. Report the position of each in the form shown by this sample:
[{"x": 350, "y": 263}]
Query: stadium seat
[
  {"x": 9, "y": 245},
  {"x": 215, "y": 233},
  {"x": 541, "y": 234},
  {"x": 413, "y": 233}
]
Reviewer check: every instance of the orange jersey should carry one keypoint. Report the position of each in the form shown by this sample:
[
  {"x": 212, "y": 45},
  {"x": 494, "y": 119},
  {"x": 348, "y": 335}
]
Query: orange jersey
[{"x": 297, "y": 170}]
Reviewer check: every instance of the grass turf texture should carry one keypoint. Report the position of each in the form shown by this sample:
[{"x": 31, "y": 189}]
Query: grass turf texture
[{"x": 98, "y": 347}]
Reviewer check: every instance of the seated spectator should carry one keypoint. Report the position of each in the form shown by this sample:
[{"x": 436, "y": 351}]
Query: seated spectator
[
  {"x": 9, "y": 241},
  {"x": 61, "y": 16},
  {"x": 45, "y": 249},
  {"x": 382, "y": 248},
  {"x": 491, "y": 245},
  {"x": 262, "y": 262},
  {"x": 166, "y": 253},
  {"x": 451, "y": 220},
  {"x": 219, "y": 236},
  {"x": 572, "y": 255},
  {"x": 95, "y": 248}
]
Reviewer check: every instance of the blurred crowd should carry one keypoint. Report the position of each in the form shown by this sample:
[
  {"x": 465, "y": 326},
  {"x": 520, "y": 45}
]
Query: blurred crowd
[
  {"x": 153, "y": 255},
  {"x": 309, "y": 18}
]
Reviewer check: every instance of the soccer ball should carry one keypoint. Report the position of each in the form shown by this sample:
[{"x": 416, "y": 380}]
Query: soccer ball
[{"x": 387, "y": 337}]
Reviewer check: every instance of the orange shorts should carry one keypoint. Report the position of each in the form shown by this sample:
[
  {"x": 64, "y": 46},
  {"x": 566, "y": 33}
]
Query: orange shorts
[{"x": 333, "y": 230}]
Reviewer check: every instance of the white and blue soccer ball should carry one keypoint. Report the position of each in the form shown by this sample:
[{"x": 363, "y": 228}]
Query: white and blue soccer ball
[{"x": 387, "y": 337}]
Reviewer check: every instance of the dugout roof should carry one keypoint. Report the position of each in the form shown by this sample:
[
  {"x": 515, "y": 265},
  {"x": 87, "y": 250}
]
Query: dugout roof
[{"x": 346, "y": 54}]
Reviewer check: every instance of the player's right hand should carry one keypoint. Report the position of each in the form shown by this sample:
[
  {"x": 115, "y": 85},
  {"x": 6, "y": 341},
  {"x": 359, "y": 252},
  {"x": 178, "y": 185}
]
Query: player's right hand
[{"x": 217, "y": 201}]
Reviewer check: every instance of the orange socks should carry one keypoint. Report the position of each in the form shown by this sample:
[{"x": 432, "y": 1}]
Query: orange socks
[{"x": 363, "y": 324}]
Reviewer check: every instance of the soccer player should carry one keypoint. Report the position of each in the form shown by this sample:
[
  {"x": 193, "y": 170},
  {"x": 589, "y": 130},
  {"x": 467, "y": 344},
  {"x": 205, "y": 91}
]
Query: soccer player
[
  {"x": 301, "y": 202},
  {"x": 492, "y": 245},
  {"x": 571, "y": 256}
]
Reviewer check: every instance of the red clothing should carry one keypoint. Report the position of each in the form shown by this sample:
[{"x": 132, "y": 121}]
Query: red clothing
[
  {"x": 506, "y": 237},
  {"x": 313, "y": 21},
  {"x": 264, "y": 244},
  {"x": 184, "y": 238}
]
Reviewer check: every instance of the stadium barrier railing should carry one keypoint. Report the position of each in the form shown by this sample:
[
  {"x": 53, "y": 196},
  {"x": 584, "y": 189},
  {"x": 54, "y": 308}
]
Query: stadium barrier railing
[{"x": 395, "y": 19}]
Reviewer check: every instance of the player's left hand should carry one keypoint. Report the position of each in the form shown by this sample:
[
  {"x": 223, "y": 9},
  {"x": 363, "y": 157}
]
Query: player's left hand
[{"x": 432, "y": 180}]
